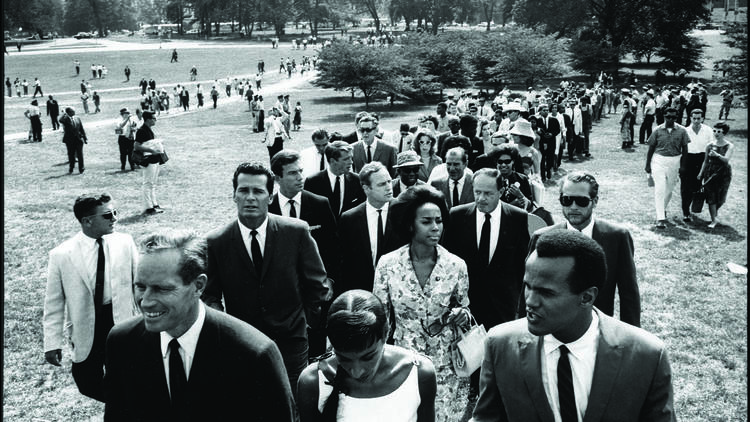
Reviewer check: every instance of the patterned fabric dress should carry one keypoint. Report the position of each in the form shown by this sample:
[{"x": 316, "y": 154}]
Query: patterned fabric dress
[
  {"x": 396, "y": 284},
  {"x": 717, "y": 176}
]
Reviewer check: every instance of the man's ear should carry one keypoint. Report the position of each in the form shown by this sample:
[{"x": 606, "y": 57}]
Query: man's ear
[
  {"x": 200, "y": 284},
  {"x": 589, "y": 295}
]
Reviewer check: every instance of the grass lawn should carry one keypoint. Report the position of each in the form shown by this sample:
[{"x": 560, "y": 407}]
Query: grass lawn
[{"x": 690, "y": 299}]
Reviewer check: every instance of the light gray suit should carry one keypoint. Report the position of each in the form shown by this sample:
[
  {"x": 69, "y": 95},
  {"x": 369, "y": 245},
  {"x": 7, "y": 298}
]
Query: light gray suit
[{"x": 467, "y": 194}]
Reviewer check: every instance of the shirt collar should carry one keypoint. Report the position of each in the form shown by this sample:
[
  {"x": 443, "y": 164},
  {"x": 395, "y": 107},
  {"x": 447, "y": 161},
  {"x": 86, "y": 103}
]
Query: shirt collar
[
  {"x": 189, "y": 340},
  {"x": 245, "y": 231},
  {"x": 494, "y": 215},
  {"x": 332, "y": 177},
  {"x": 587, "y": 340},
  {"x": 588, "y": 231},
  {"x": 283, "y": 200},
  {"x": 372, "y": 210}
]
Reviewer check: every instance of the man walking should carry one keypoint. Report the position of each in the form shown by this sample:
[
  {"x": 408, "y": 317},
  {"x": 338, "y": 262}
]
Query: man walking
[
  {"x": 35, "y": 117},
  {"x": 37, "y": 88},
  {"x": 90, "y": 279},
  {"x": 152, "y": 164},
  {"x": 125, "y": 130},
  {"x": 74, "y": 137}
]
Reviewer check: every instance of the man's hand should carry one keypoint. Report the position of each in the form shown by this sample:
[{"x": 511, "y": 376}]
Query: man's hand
[
  {"x": 648, "y": 168},
  {"x": 53, "y": 357}
]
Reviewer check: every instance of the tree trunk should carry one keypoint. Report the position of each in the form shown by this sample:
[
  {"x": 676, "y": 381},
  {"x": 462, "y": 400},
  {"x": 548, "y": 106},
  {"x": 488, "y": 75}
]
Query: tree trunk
[{"x": 95, "y": 9}]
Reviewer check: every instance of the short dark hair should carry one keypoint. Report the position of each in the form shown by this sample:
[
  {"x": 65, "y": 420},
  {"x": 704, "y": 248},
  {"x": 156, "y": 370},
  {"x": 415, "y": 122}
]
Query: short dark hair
[
  {"x": 254, "y": 168},
  {"x": 723, "y": 126},
  {"x": 590, "y": 266},
  {"x": 319, "y": 134},
  {"x": 490, "y": 172},
  {"x": 356, "y": 320},
  {"x": 404, "y": 208},
  {"x": 583, "y": 177},
  {"x": 697, "y": 110},
  {"x": 335, "y": 149},
  {"x": 368, "y": 170},
  {"x": 283, "y": 158},
  {"x": 191, "y": 246},
  {"x": 85, "y": 204},
  {"x": 671, "y": 110}
]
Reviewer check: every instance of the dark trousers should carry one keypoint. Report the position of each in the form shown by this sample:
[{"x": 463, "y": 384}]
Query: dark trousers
[
  {"x": 89, "y": 373},
  {"x": 547, "y": 146},
  {"x": 75, "y": 150},
  {"x": 36, "y": 128},
  {"x": 689, "y": 182},
  {"x": 294, "y": 352},
  {"x": 55, "y": 123},
  {"x": 646, "y": 128},
  {"x": 278, "y": 145},
  {"x": 200, "y": 100},
  {"x": 214, "y": 98},
  {"x": 38, "y": 90},
  {"x": 585, "y": 141},
  {"x": 660, "y": 116},
  {"x": 126, "y": 151}
]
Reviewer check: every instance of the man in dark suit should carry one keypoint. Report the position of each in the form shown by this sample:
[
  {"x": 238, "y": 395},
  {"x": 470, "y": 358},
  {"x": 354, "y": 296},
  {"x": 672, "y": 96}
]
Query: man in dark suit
[
  {"x": 183, "y": 361},
  {"x": 548, "y": 128},
  {"x": 267, "y": 268},
  {"x": 369, "y": 148},
  {"x": 352, "y": 137},
  {"x": 366, "y": 231},
  {"x": 74, "y": 137},
  {"x": 579, "y": 194},
  {"x": 567, "y": 360},
  {"x": 454, "y": 128},
  {"x": 337, "y": 183},
  {"x": 53, "y": 110},
  {"x": 291, "y": 201},
  {"x": 491, "y": 237},
  {"x": 457, "y": 187},
  {"x": 407, "y": 167}
]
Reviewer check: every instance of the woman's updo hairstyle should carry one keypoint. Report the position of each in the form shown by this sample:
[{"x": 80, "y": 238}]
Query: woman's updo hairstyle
[{"x": 356, "y": 321}]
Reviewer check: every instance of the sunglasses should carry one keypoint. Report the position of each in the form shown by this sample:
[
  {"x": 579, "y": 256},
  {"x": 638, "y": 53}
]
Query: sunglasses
[
  {"x": 718, "y": 131},
  {"x": 109, "y": 215},
  {"x": 505, "y": 161},
  {"x": 581, "y": 201},
  {"x": 428, "y": 142},
  {"x": 366, "y": 129},
  {"x": 433, "y": 329}
]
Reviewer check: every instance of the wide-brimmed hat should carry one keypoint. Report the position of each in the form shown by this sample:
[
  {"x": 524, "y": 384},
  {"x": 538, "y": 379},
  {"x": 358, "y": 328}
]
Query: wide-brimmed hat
[
  {"x": 124, "y": 110},
  {"x": 513, "y": 106},
  {"x": 522, "y": 128},
  {"x": 408, "y": 159}
]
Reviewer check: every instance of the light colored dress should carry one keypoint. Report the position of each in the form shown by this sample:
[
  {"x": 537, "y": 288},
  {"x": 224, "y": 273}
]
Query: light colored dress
[
  {"x": 396, "y": 284},
  {"x": 401, "y": 405}
]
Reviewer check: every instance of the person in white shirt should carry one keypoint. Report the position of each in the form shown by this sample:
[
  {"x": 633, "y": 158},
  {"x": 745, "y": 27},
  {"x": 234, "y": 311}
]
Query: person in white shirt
[
  {"x": 700, "y": 136},
  {"x": 125, "y": 129},
  {"x": 567, "y": 360}
]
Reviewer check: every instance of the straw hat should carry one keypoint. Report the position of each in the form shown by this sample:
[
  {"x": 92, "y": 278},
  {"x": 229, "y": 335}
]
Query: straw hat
[
  {"x": 522, "y": 128},
  {"x": 408, "y": 159}
]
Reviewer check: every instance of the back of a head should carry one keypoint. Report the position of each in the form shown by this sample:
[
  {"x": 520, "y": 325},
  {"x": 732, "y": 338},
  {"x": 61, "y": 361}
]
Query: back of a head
[
  {"x": 356, "y": 321},
  {"x": 590, "y": 267}
]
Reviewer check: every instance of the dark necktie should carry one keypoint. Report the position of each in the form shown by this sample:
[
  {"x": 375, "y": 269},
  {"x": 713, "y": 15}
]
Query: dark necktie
[
  {"x": 322, "y": 162},
  {"x": 565, "y": 389},
  {"x": 455, "y": 194},
  {"x": 337, "y": 196},
  {"x": 379, "y": 246},
  {"x": 484, "y": 241},
  {"x": 255, "y": 251},
  {"x": 99, "y": 288},
  {"x": 369, "y": 154},
  {"x": 292, "y": 210},
  {"x": 177, "y": 378}
]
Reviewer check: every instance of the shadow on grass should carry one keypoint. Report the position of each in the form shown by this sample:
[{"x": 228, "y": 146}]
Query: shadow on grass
[
  {"x": 58, "y": 176},
  {"x": 131, "y": 219},
  {"x": 674, "y": 231},
  {"x": 729, "y": 233},
  {"x": 60, "y": 164}
]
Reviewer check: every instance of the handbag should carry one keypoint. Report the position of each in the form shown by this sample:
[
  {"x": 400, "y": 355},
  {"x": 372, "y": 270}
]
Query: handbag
[
  {"x": 138, "y": 158},
  {"x": 163, "y": 157},
  {"x": 699, "y": 197},
  {"x": 467, "y": 352}
]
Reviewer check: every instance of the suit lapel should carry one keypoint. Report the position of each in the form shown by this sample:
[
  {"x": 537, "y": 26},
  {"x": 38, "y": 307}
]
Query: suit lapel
[
  {"x": 275, "y": 207},
  {"x": 272, "y": 234},
  {"x": 529, "y": 351},
  {"x": 77, "y": 261},
  {"x": 467, "y": 191},
  {"x": 471, "y": 228},
  {"x": 606, "y": 370},
  {"x": 205, "y": 357},
  {"x": 238, "y": 245},
  {"x": 151, "y": 364}
]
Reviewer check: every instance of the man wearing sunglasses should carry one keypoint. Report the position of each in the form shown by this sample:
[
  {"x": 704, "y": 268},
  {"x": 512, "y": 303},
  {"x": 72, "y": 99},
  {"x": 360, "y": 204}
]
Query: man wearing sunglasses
[
  {"x": 579, "y": 194},
  {"x": 667, "y": 155},
  {"x": 369, "y": 148},
  {"x": 90, "y": 275},
  {"x": 407, "y": 167}
]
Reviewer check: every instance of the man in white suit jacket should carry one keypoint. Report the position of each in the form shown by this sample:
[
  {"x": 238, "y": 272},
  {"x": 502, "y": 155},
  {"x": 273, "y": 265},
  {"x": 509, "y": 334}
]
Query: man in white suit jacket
[{"x": 73, "y": 270}]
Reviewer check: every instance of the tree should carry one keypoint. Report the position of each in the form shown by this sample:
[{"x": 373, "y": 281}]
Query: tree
[
  {"x": 371, "y": 7},
  {"x": 563, "y": 17},
  {"x": 443, "y": 59},
  {"x": 736, "y": 66},
  {"x": 345, "y": 66},
  {"x": 36, "y": 16},
  {"x": 681, "y": 51}
]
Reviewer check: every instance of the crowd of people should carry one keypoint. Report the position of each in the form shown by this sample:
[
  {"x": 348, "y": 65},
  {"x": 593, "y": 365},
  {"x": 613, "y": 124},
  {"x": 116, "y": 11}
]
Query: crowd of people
[{"x": 354, "y": 266}]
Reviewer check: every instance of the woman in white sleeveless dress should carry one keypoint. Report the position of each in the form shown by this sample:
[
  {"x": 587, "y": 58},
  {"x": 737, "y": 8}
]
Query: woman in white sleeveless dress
[{"x": 364, "y": 379}]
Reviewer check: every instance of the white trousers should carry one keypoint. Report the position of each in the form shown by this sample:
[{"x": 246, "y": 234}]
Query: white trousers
[
  {"x": 665, "y": 171},
  {"x": 150, "y": 174}
]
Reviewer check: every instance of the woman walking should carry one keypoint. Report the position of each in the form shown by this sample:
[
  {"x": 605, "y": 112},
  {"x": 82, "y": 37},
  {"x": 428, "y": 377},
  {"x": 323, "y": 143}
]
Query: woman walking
[{"x": 716, "y": 173}]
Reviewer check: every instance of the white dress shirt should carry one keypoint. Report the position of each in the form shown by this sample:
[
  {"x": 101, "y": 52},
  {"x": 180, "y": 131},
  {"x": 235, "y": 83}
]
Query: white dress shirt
[
  {"x": 188, "y": 343},
  {"x": 494, "y": 227},
  {"x": 587, "y": 231},
  {"x": 460, "y": 186},
  {"x": 332, "y": 180},
  {"x": 310, "y": 161},
  {"x": 373, "y": 147},
  {"x": 286, "y": 208},
  {"x": 90, "y": 251},
  {"x": 699, "y": 141},
  {"x": 261, "y": 236},
  {"x": 582, "y": 357},
  {"x": 372, "y": 226}
]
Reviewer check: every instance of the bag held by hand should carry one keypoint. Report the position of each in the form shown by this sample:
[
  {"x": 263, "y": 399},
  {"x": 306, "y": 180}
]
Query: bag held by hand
[{"x": 467, "y": 352}]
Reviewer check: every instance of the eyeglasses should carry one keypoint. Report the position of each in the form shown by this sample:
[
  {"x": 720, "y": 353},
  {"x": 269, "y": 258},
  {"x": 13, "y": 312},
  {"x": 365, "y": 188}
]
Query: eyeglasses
[
  {"x": 718, "y": 131},
  {"x": 435, "y": 328},
  {"x": 366, "y": 129},
  {"x": 509, "y": 161},
  {"x": 109, "y": 215},
  {"x": 581, "y": 201},
  {"x": 427, "y": 142}
]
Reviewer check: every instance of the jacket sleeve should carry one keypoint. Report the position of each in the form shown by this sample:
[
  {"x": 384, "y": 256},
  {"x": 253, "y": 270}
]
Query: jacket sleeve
[
  {"x": 659, "y": 403},
  {"x": 280, "y": 406},
  {"x": 627, "y": 284},
  {"x": 490, "y": 406},
  {"x": 311, "y": 273},
  {"x": 54, "y": 305}
]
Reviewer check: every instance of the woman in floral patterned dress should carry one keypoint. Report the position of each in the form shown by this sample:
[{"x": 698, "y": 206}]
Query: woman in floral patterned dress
[{"x": 425, "y": 290}]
